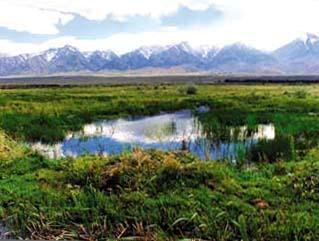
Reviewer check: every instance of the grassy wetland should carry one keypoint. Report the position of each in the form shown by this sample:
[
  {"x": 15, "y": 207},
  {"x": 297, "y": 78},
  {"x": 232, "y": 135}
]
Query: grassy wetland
[{"x": 271, "y": 192}]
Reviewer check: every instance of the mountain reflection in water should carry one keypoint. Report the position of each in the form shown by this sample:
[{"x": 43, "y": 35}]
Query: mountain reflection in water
[{"x": 173, "y": 131}]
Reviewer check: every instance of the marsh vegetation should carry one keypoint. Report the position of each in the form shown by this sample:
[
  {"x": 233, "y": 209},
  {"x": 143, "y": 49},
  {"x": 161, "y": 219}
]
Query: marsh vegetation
[{"x": 269, "y": 193}]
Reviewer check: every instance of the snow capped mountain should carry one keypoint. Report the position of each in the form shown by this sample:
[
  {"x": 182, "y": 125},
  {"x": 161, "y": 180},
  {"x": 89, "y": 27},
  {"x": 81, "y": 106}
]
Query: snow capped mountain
[
  {"x": 175, "y": 55},
  {"x": 240, "y": 58},
  {"x": 106, "y": 55},
  {"x": 148, "y": 51},
  {"x": 183, "y": 47},
  {"x": 240, "y": 53},
  {"x": 158, "y": 56},
  {"x": 206, "y": 51},
  {"x": 99, "y": 60},
  {"x": 135, "y": 60},
  {"x": 299, "y": 56},
  {"x": 3, "y": 55},
  {"x": 302, "y": 47},
  {"x": 67, "y": 59},
  {"x": 13, "y": 65},
  {"x": 312, "y": 39},
  {"x": 49, "y": 54}
]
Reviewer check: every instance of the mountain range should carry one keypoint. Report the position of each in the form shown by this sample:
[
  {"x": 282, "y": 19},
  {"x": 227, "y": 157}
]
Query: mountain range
[{"x": 301, "y": 56}]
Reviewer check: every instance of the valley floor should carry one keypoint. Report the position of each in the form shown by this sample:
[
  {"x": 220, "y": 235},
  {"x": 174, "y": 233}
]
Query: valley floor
[{"x": 154, "y": 195}]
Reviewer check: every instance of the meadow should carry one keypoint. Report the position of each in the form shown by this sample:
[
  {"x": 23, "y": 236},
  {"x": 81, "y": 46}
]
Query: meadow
[
  {"x": 46, "y": 114},
  {"x": 155, "y": 195}
]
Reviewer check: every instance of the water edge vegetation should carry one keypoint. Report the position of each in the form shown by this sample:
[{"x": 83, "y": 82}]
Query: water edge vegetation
[{"x": 154, "y": 195}]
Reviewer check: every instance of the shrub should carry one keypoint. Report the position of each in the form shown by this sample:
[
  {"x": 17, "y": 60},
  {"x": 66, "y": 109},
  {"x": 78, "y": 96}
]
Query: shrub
[
  {"x": 305, "y": 181},
  {"x": 301, "y": 94},
  {"x": 282, "y": 148},
  {"x": 9, "y": 149},
  {"x": 191, "y": 90}
]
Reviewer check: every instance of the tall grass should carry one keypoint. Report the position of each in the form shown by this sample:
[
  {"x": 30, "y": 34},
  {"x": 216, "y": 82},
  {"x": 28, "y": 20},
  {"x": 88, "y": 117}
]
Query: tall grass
[
  {"x": 159, "y": 195},
  {"x": 47, "y": 114},
  {"x": 9, "y": 149}
]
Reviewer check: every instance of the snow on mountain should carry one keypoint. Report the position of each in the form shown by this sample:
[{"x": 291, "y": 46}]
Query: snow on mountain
[
  {"x": 181, "y": 54},
  {"x": 301, "y": 47},
  {"x": 298, "y": 56},
  {"x": 309, "y": 39},
  {"x": 183, "y": 47},
  {"x": 148, "y": 51},
  {"x": 134, "y": 60},
  {"x": 102, "y": 60},
  {"x": 49, "y": 54},
  {"x": 68, "y": 59},
  {"x": 12, "y": 65},
  {"x": 106, "y": 55},
  {"x": 239, "y": 52},
  {"x": 206, "y": 51}
]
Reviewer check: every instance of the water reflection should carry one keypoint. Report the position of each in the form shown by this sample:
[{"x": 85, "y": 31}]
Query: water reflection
[{"x": 174, "y": 131}]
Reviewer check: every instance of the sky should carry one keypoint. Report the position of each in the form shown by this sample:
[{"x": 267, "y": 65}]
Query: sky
[{"x": 28, "y": 26}]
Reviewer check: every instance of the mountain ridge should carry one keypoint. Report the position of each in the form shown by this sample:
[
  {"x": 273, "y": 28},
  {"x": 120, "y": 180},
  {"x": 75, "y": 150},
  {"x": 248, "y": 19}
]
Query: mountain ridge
[{"x": 301, "y": 56}]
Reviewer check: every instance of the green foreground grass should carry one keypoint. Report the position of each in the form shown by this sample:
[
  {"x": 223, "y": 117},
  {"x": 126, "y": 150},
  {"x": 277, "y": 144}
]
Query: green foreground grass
[{"x": 155, "y": 195}]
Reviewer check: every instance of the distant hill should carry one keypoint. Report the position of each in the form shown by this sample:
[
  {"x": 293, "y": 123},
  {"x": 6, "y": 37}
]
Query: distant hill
[{"x": 301, "y": 56}]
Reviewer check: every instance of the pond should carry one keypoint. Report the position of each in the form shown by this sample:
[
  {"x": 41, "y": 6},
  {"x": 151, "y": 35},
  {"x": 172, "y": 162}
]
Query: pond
[{"x": 180, "y": 130}]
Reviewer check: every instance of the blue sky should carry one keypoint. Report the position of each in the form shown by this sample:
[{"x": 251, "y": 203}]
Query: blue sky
[{"x": 121, "y": 25}]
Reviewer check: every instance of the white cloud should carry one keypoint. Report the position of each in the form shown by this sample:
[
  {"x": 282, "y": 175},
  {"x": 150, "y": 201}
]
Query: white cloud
[
  {"x": 99, "y": 9},
  {"x": 20, "y": 17},
  {"x": 269, "y": 24},
  {"x": 42, "y": 16},
  {"x": 262, "y": 24}
]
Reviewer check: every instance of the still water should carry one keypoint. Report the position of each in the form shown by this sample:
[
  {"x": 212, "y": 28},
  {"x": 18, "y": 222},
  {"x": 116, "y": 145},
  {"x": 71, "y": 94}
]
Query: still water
[{"x": 168, "y": 131}]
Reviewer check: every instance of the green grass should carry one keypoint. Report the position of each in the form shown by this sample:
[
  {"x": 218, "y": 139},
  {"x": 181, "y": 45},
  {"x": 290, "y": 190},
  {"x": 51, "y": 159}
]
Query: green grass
[
  {"x": 47, "y": 114},
  {"x": 155, "y": 195}
]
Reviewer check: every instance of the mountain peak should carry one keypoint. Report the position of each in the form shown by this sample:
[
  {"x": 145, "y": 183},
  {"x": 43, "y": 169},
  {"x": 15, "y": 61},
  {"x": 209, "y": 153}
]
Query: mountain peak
[
  {"x": 239, "y": 46},
  {"x": 299, "y": 56},
  {"x": 49, "y": 54},
  {"x": 69, "y": 48},
  {"x": 184, "y": 46},
  {"x": 306, "y": 39},
  {"x": 147, "y": 51},
  {"x": 312, "y": 38},
  {"x": 304, "y": 47},
  {"x": 107, "y": 54},
  {"x": 207, "y": 50}
]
